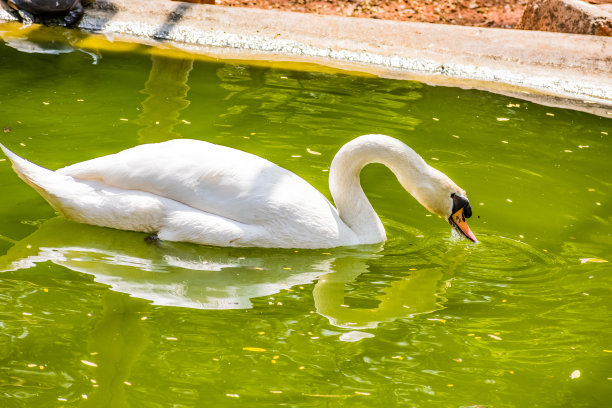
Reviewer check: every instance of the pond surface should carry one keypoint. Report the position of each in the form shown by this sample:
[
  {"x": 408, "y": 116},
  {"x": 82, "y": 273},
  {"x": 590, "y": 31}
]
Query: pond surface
[{"x": 95, "y": 317}]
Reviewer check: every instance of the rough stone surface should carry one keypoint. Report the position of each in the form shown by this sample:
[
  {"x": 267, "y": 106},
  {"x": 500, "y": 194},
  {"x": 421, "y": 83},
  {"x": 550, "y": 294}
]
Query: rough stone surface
[{"x": 567, "y": 16}]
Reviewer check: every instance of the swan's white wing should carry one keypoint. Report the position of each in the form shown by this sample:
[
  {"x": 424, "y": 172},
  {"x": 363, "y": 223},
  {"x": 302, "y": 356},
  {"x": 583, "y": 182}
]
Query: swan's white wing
[
  {"x": 222, "y": 181},
  {"x": 202, "y": 175}
]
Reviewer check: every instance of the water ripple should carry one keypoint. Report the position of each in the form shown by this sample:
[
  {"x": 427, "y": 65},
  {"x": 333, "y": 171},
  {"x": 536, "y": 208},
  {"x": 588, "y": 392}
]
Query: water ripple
[{"x": 503, "y": 260}]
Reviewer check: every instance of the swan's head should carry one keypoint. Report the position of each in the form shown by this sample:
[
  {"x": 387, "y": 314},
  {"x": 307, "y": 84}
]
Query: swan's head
[
  {"x": 460, "y": 211},
  {"x": 441, "y": 196}
]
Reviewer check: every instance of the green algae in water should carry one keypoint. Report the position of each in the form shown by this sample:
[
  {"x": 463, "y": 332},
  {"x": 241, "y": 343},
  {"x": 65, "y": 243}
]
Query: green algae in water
[{"x": 97, "y": 317}]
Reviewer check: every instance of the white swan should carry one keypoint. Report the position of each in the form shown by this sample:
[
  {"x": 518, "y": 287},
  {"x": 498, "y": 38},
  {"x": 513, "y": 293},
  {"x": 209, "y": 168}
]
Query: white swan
[{"x": 194, "y": 191}]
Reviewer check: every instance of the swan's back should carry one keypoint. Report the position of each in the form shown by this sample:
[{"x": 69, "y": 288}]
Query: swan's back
[{"x": 221, "y": 181}]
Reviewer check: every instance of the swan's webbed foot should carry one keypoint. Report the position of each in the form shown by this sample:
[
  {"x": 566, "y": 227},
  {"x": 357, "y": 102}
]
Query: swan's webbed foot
[{"x": 153, "y": 239}]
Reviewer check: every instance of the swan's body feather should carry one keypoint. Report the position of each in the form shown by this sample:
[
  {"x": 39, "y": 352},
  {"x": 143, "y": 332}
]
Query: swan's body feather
[{"x": 195, "y": 191}]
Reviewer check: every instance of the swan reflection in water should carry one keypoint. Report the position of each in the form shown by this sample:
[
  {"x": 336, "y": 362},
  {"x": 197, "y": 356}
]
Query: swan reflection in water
[
  {"x": 199, "y": 277},
  {"x": 187, "y": 275}
]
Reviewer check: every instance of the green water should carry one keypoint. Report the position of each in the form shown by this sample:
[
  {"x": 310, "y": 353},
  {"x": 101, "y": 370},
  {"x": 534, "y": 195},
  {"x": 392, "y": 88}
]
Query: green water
[{"x": 92, "y": 317}]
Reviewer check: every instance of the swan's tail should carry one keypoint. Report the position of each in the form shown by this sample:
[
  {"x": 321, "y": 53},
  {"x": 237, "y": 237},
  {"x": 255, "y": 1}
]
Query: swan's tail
[
  {"x": 90, "y": 201},
  {"x": 53, "y": 187},
  {"x": 26, "y": 170}
]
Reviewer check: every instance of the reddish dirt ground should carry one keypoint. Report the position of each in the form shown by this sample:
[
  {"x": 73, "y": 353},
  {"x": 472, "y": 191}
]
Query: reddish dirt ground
[
  {"x": 484, "y": 13},
  {"x": 488, "y": 13},
  {"x": 480, "y": 13}
]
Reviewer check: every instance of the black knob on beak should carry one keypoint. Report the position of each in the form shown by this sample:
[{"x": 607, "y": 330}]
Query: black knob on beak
[{"x": 460, "y": 202}]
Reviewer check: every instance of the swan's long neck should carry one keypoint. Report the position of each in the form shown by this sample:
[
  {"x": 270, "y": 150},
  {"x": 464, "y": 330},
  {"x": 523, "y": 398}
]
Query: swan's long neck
[{"x": 354, "y": 208}]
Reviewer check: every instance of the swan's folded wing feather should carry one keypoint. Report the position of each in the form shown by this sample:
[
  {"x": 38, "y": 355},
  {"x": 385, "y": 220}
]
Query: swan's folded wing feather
[{"x": 211, "y": 178}]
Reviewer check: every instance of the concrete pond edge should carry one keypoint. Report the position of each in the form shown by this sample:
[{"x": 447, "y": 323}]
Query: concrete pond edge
[{"x": 566, "y": 70}]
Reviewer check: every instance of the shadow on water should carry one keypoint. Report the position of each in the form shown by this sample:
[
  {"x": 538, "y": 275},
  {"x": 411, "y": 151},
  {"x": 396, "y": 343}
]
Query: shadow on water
[
  {"x": 166, "y": 90},
  {"x": 117, "y": 341}
]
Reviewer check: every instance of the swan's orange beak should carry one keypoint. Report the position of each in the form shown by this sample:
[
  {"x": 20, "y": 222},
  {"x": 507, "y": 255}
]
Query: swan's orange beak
[{"x": 458, "y": 221}]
